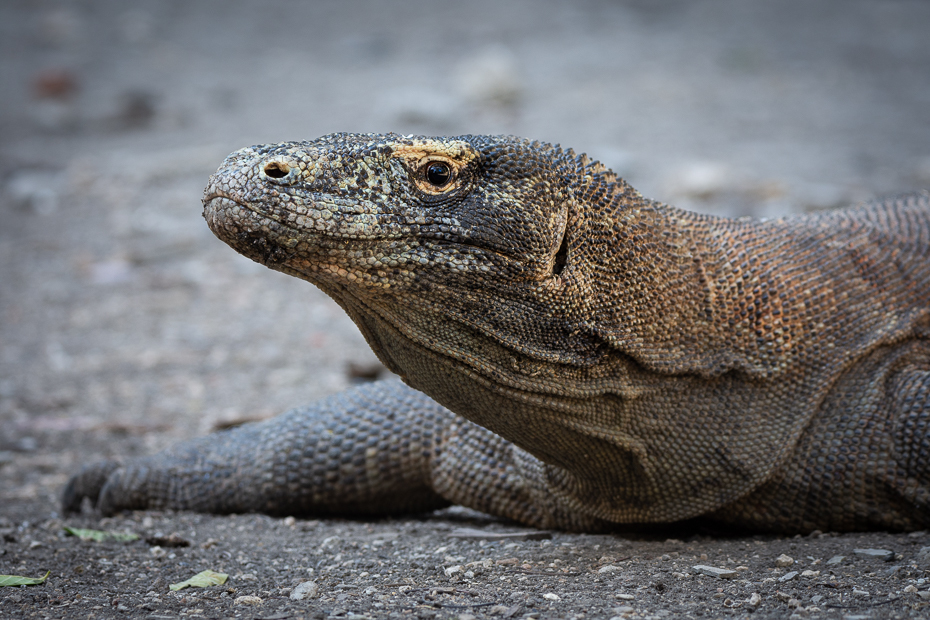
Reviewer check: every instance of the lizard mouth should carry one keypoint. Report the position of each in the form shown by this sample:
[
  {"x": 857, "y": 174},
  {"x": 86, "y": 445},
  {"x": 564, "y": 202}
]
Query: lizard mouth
[
  {"x": 230, "y": 218},
  {"x": 217, "y": 203},
  {"x": 247, "y": 231}
]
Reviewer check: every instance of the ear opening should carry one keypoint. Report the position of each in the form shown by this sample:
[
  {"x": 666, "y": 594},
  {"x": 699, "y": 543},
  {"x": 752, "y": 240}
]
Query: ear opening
[{"x": 561, "y": 257}]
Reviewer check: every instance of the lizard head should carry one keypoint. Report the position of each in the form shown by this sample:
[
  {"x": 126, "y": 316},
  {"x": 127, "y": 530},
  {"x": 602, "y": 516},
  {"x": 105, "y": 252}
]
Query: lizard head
[{"x": 468, "y": 247}]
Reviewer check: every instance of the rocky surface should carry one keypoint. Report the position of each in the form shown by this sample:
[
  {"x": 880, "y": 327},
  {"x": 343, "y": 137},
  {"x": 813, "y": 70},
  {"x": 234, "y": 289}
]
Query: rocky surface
[{"x": 125, "y": 326}]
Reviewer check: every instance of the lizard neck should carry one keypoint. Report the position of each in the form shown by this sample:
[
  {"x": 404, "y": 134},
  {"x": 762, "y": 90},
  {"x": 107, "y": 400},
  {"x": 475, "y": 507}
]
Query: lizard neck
[{"x": 673, "y": 289}]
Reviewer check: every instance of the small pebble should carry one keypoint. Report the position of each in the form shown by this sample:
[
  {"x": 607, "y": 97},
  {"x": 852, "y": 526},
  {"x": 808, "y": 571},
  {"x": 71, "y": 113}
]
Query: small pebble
[
  {"x": 924, "y": 594},
  {"x": 788, "y": 576},
  {"x": 910, "y": 589},
  {"x": 754, "y": 599},
  {"x": 624, "y": 597},
  {"x": 858, "y": 592},
  {"x": 837, "y": 559},
  {"x": 816, "y": 599},
  {"x": 549, "y": 596},
  {"x": 810, "y": 573},
  {"x": 712, "y": 571},
  {"x": 783, "y": 561},
  {"x": 305, "y": 590},
  {"x": 248, "y": 600},
  {"x": 625, "y": 609}
]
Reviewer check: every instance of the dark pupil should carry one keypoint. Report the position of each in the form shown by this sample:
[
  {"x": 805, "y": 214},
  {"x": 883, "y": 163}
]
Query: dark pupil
[{"x": 438, "y": 173}]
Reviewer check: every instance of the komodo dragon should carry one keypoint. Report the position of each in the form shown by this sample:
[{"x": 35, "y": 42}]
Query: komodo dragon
[{"x": 577, "y": 356}]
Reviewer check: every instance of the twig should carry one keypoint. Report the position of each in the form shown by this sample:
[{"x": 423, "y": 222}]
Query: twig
[{"x": 836, "y": 606}]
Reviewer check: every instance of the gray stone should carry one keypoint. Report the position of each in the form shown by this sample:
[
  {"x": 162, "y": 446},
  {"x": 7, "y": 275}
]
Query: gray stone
[
  {"x": 711, "y": 571},
  {"x": 788, "y": 576},
  {"x": 878, "y": 554},
  {"x": 837, "y": 559},
  {"x": 305, "y": 590},
  {"x": 923, "y": 557}
]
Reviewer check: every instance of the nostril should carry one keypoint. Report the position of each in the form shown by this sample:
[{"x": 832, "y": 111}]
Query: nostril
[{"x": 277, "y": 169}]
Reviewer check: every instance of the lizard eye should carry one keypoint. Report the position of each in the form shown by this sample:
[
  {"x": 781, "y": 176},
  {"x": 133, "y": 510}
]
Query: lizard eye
[{"x": 438, "y": 173}]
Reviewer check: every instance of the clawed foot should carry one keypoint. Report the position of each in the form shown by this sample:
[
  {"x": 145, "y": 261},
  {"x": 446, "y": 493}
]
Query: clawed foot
[{"x": 87, "y": 483}]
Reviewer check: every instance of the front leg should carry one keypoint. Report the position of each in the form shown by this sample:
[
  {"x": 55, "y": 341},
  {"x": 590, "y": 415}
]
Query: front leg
[
  {"x": 379, "y": 449},
  {"x": 365, "y": 451}
]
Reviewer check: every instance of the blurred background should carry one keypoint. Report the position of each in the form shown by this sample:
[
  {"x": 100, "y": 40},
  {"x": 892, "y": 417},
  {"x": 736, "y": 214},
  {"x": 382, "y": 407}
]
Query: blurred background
[{"x": 124, "y": 324}]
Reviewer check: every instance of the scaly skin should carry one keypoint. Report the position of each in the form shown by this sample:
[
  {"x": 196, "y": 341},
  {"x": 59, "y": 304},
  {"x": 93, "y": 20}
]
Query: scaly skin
[{"x": 631, "y": 362}]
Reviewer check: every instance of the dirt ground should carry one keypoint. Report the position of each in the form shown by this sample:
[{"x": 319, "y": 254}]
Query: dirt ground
[{"x": 125, "y": 326}]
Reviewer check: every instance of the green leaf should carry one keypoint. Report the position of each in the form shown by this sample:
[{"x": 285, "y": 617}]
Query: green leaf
[
  {"x": 201, "y": 580},
  {"x": 100, "y": 535},
  {"x": 16, "y": 580}
]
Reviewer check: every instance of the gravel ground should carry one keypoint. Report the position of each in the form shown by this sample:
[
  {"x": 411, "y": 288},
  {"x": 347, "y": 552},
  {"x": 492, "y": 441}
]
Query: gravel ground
[{"x": 125, "y": 326}]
